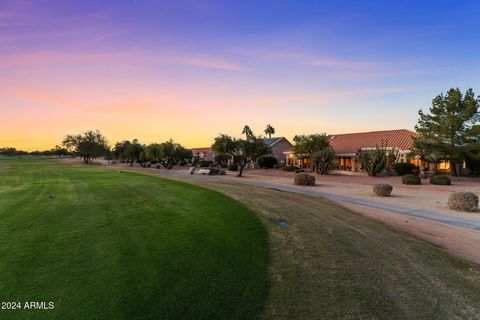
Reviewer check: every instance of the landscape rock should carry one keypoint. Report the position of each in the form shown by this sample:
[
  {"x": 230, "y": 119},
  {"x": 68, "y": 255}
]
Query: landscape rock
[
  {"x": 463, "y": 201},
  {"x": 382, "y": 189},
  {"x": 303, "y": 179}
]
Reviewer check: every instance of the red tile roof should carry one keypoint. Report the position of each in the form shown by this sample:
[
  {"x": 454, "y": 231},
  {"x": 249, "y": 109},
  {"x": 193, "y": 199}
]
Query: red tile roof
[
  {"x": 350, "y": 143},
  {"x": 205, "y": 151}
]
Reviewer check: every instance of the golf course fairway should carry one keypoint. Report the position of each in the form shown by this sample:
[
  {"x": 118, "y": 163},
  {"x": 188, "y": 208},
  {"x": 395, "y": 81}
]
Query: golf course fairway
[{"x": 116, "y": 245}]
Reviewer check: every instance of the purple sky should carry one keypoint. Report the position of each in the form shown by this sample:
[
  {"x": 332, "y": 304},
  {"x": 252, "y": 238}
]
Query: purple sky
[{"x": 189, "y": 70}]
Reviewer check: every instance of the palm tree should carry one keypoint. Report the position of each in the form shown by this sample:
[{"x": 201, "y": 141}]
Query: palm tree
[
  {"x": 247, "y": 132},
  {"x": 269, "y": 130}
]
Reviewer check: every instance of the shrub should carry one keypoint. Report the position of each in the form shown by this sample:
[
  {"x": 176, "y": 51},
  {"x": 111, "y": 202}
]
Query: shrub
[
  {"x": 216, "y": 172},
  {"x": 279, "y": 166},
  {"x": 441, "y": 180},
  {"x": 213, "y": 171},
  {"x": 233, "y": 167},
  {"x": 411, "y": 179},
  {"x": 267, "y": 162},
  {"x": 382, "y": 189},
  {"x": 204, "y": 163},
  {"x": 304, "y": 179},
  {"x": 463, "y": 201},
  {"x": 300, "y": 170},
  {"x": 403, "y": 168},
  {"x": 182, "y": 163},
  {"x": 157, "y": 166},
  {"x": 290, "y": 168}
]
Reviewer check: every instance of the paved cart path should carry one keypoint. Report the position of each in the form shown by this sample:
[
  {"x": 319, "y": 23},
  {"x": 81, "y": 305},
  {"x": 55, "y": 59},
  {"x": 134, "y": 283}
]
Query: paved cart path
[{"x": 469, "y": 221}]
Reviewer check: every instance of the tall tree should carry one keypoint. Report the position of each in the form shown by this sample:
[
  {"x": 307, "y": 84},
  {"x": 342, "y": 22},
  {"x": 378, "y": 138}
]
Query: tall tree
[
  {"x": 172, "y": 153},
  {"x": 450, "y": 127},
  {"x": 120, "y": 150},
  {"x": 306, "y": 145},
  {"x": 153, "y": 152},
  {"x": 130, "y": 151},
  {"x": 89, "y": 145},
  {"x": 269, "y": 130},
  {"x": 247, "y": 132},
  {"x": 135, "y": 152},
  {"x": 167, "y": 153},
  {"x": 242, "y": 151}
]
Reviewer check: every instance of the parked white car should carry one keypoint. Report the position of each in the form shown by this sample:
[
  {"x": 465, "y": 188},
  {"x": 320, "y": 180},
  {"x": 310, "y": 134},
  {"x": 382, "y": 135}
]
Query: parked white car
[{"x": 204, "y": 171}]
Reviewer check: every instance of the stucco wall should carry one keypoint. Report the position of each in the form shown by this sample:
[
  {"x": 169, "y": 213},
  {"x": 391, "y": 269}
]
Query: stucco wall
[{"x": 279, "y": 148}]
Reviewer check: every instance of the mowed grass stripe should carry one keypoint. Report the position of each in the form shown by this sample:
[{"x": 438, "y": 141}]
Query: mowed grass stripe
[{"x": 123, "y": 246}]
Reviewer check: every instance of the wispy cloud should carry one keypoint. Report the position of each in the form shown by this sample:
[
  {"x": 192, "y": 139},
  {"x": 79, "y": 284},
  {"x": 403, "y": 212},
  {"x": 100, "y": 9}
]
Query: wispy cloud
[
  {"x": 308, "y": 59},
  {"x": 343, "y": 68},
  {"x": 338, "y": 63},
  {"x": 202, "y": 62},
  {"x": 58, "y": 58},
  {"x": 42, "y": 98},
  {"x": 46, "y": 58}
]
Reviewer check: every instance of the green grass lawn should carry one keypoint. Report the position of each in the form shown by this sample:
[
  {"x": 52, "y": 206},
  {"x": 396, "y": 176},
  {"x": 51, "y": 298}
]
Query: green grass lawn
[
  {"x": 118, "y": 245},
  {"x": 331, "y": 263}
]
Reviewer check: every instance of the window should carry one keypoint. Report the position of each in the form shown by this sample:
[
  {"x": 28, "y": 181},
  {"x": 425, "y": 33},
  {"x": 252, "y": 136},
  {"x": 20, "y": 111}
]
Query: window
[{"x": 443, "y": 165}]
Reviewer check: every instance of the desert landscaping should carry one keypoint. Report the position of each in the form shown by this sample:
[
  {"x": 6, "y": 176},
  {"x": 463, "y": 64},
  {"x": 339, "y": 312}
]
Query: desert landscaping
[{"x": 239, "y": 160}]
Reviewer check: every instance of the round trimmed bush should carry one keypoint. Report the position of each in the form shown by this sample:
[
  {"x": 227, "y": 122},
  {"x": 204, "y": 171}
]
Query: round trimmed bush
[
  {"x": 411, "y": 179},
  {"x": 267, "y": 162},
  {"x": 233, "y": 167},
  {"x": 303, "y": 179},
  {"x": 463, "y": 201},
  {"x": 382, "y": 189},
  {"x": 441, "y": 180},
  {"x": 403, "y": 168}
]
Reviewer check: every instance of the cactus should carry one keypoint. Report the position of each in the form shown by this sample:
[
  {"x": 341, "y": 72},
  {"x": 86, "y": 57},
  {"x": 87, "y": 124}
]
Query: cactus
[
  {"x": 322, "y": 160},
  {"x": 377, "y": 160}
]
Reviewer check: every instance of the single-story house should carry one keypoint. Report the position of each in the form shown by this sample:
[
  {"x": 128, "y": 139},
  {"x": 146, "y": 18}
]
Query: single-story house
[
  {"x": 203, "y": 154},
  {"x": 278, "y": 146},
  {"x": 346, "y": 146}
]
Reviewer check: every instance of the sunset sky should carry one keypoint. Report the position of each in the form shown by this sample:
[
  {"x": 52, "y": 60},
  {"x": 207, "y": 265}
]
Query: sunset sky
[{"x": 189, "y": 70}]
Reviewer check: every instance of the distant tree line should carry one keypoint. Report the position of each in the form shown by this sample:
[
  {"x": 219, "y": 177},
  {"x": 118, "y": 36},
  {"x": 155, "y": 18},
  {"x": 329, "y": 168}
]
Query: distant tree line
[
  {"x": 93, "y": 144},
  {"x": 168, "y": 153},
  {"x": 13, "y": 152}
]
